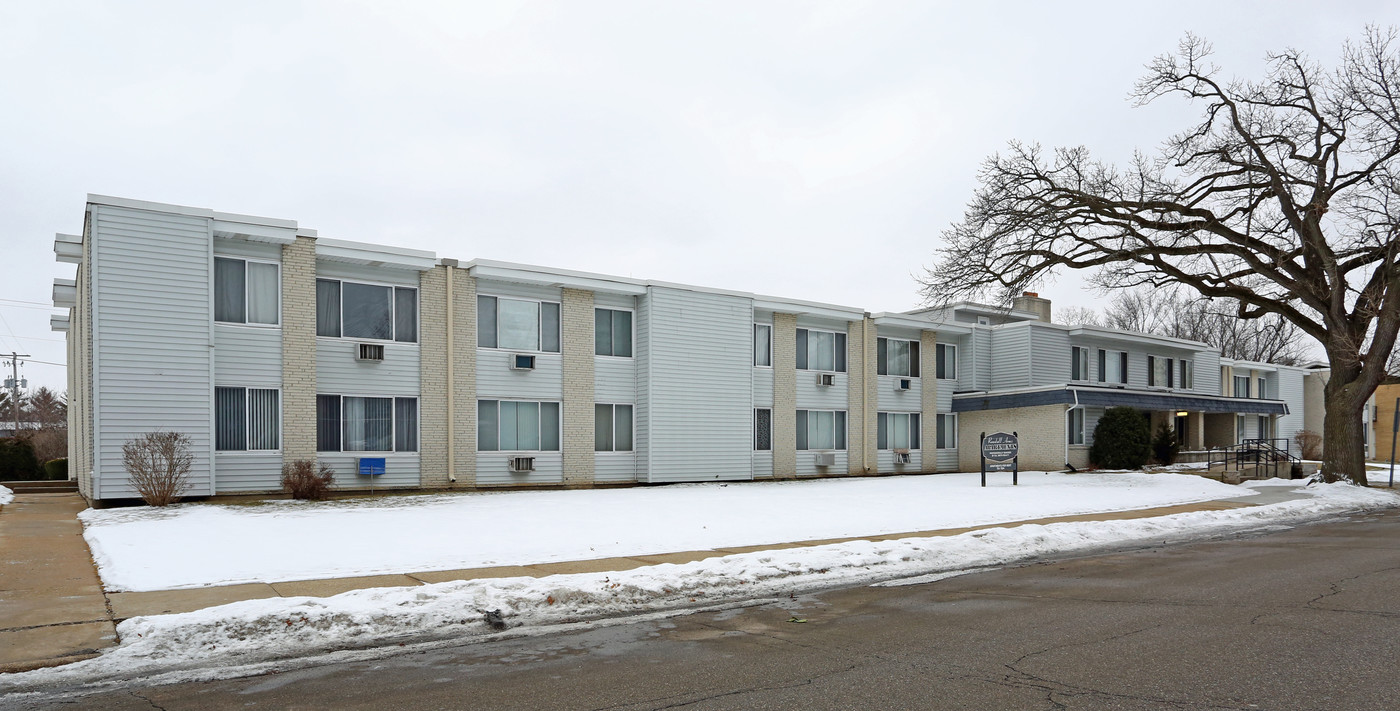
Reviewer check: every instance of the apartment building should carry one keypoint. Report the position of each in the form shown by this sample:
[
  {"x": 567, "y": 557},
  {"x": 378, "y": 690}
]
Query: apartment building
[{"x": 265, "y": 343}]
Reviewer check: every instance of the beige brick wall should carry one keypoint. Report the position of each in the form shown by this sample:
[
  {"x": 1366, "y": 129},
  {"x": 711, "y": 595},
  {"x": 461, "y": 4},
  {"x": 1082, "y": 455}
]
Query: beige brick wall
[
  {"x": 299, "y": 349},
  {"x": 858, "y": 403},
  {"x": 1384, "y": 401},
  {"x": 432, "y": 371},
  {"x": 463, "y": 410},
  {"x": 784, "y": 396},
  {"x": 928, "y": 420},
  {"x": 576, "y": 316},
  {"x": 1040, "y": 429}
]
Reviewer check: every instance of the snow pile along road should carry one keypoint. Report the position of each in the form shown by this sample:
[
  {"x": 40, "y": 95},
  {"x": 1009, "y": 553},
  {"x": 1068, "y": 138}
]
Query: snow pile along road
[
  {"x": 6, "y": 496},
  {"x": 260, "y": 635}
]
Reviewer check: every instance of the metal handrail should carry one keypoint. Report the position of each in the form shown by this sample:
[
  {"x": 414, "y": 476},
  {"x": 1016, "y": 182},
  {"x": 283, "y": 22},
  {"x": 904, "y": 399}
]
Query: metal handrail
[{"x": 1258, "y": 453}]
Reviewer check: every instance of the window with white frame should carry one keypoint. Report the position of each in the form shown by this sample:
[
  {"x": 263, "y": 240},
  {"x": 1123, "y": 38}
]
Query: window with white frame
[
  {"x": 247, "y": 419},
  {"x": 348, "y": 309},
  {"x": 1265, "y": 427},
  {"x": 821, "y": 350},
  {"x": 612, "y": 332},
  {"x": 1241, "y": 386},
  {"x": 895, "y": 356},
  {"x": 947, "y": 431},
  {"x": 1113, "y": 366},
  {"x": 1078, "y": 363},
  {"x": 1261, "y": 390},
  {"x": 821, "y": 429},
  {"x": 897, "y": 430},
  {"x": 1188, "y": 376},
  {"x": 612, "y": 428},
  {"x": 946, "y": 361},
  {"x": 518, "y": 324},
  {"x": 1074, "y": 425},
  {"x": 514, "y": 426},
  {"x": 1160, "y": 372},
  {"x": 1241, "y": 422},
  {"x": 763, "y": 429},
  {"x": 246, "y": 291},
  {"x": 762, "y": 345},
  {"x": 351, "y": 423}
]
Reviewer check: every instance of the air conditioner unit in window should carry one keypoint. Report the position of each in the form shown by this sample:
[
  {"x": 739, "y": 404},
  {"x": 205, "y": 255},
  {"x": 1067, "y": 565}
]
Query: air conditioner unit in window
[
  {"x": 826, "y": 378},
  {"x": 521, "y": 465},
  {"x": 369, "y": 351},
  {"x": 824, "y": 459},
  {"x": 901, "y": 457},
  {"x": 903, "y": 384},
  {"x": 520, "y": 361}
]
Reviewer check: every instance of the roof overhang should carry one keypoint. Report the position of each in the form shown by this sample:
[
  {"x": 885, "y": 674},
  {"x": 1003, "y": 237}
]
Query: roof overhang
[
  {"x": 900, "y": 320},
  {"x": 560, "y": 278},
  {"x": 65, "y": 293},
  {"x": 59, "y": 322},
  {"x": 68, "y": 248},
  {"x": 1117, "y": 397},
  {"x": 375, "y": 255},
  {"x": 1134, "y": 337}
]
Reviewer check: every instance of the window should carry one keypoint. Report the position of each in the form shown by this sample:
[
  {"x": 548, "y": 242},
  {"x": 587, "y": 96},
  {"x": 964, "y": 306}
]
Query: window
[
  {"x": 947, "y": 431},
  {"x": 245, "y": 292},
  {"x": 518, "y": 325},
  {"x": 366, "y": 311},
  {"x": 897, "y": 430},
  {"x": 821, "y": 429},
  {"x": 1188, "y": 379},
  {"x": 612, "y": 333},
  {"x": 1079, "y": 363},
  {"x": 946, "y": 367},
  {"x": 1074, "y": 425},
  {"x": 511, "y": 426},
  {"x": 1241, "y": 386},
  {"x": 1262, "y": 390},
  {"x": 247, "y": 419},
  {"x": 1240, "y": 424},
  {"x": 821, "y": 350},
  {"x": 346, "y": 423},
  {"x": 1113, "y": 366},
  {"x": 762, "y": 344},
  {"x": 763, "y": 429},
  {"x": 1265, "y": 427},
  {"x": 897, "y": 357},
  {"x": 1159, "y": 372},
  {"x": 612, "y": 428}
]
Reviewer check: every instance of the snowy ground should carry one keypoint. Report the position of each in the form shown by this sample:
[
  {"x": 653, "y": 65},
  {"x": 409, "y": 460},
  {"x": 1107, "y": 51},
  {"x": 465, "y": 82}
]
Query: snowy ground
[
  {"x": 1379, "y": 474},
  {"x": 259, "y": 636},
  {"x": 210, "y": 544},
  {"x": 6, "y": 496}
]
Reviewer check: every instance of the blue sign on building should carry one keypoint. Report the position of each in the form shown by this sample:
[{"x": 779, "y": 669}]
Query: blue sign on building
[{"x": 371, "y": 466}]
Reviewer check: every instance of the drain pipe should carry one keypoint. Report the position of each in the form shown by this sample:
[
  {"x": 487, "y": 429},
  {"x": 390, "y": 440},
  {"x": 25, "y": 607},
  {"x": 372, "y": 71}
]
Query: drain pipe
[{"x": 451, "y": 266}]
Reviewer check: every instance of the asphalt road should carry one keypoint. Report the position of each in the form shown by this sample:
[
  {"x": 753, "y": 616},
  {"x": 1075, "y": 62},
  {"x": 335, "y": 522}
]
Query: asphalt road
[{"x": 1302, "y": 619}]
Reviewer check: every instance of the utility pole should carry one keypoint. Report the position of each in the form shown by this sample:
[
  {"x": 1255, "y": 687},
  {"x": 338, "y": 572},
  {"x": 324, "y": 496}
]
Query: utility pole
[{"x": 14, "y": 387}]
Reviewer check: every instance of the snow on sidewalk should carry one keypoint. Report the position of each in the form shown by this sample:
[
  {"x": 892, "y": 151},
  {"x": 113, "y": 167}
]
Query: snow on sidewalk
[
  {"x": 192, "y": 545},
  {"x": 258, "y": 636}
]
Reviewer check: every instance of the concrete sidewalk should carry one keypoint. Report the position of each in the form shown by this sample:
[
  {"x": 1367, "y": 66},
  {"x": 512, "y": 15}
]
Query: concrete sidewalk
[{"x": 53, "y": 609}]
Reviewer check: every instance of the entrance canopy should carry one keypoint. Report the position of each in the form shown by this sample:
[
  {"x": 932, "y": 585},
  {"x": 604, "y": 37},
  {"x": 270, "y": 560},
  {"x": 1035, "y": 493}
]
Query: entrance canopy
[{"x": 1117, "y": 397}]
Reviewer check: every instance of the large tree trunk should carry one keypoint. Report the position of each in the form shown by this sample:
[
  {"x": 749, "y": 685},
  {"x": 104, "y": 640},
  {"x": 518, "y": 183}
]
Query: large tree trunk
[{"x": 1343, "y": 443}]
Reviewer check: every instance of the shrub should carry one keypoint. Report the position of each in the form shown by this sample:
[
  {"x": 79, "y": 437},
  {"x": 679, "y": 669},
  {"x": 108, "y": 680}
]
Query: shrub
[
  {"x": 159, "y": 466},
  {"x": 1165, "y": 445},
  {"x": 56, "y": 469},
  {"x": 304, "y": 479},
  {"x": 17, "y": 460},
  {"x": 1309, "y": 444},
  {"x": 1122, "y": 439}
]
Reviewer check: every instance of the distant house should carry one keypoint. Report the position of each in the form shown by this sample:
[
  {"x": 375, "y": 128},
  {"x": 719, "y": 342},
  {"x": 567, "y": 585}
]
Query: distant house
[{"x": 265, "y": 343}]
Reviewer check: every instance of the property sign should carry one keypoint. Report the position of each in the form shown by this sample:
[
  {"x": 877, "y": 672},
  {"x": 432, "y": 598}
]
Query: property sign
[
  {"x": 1000, "y": 453},
  {"x": 371, "y": 466}
]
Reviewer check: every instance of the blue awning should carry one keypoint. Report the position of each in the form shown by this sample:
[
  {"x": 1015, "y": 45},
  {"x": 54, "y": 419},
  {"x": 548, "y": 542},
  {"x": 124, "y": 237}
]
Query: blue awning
[{"x": 1119, "y": 397}]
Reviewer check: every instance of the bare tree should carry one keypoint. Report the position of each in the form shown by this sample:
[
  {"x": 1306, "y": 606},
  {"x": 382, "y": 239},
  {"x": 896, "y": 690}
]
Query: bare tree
[
  {"x": 1284, "y": 198},
  {"x": 159, "y": 466}
]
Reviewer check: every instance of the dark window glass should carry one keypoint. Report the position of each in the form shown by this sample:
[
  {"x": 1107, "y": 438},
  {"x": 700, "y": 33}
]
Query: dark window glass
[
  {"x": 801, "y": 429},
  {"x": 913, "y": 359},
  {"x": 369, "y": 311},
  {"x": 405, "y": 424},
  {"x": 405, "y": 315},
  {"x": 487, "y": 426},
  {"x": 882, "y": 357},
  {"x": 486, "y": 322},
  {"x": 328, "y": 423},
  {"x": 763, "y": 430},
  {"x": 801, "y": 349},
  {"x": 230, "y": 301},
  {"x": 549, "y": 327},
  {"x": 327, "y": 308},
  {"x": 840, "y": 353}
]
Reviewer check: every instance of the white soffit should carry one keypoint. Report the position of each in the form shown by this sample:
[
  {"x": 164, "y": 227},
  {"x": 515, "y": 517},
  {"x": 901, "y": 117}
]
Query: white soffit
[
  {"x": 375, "y": 255},
  {"x": 65, "y": 293},
  {"x": 59, "y": 322},
  {"x": 68, "y": 248}
]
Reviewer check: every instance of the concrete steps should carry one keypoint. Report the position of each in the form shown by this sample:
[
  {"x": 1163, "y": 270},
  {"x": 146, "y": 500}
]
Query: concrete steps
[{"x": 60, "y": 486}]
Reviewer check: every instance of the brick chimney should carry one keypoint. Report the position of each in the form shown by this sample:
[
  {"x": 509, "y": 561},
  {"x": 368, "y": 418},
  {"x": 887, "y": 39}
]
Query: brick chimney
[{"x": 1031, "y": 301}]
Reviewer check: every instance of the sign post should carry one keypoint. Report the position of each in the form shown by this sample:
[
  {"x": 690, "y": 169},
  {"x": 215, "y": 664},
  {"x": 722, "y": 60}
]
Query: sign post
[{"x": 1004, "y": 452}]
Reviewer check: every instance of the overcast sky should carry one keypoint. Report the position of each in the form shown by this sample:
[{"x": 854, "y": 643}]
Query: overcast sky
[{"x": 807, "y": 150}]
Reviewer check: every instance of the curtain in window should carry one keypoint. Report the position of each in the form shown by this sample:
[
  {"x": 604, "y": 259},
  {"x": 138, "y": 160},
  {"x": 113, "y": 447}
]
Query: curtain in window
[
  {"x": 369, "y": 424},
  {"x": 882, "y": 431},
  {"x": 549, "y": 328},
  {"x": 486, "y": 322},
  {"x": 821, "y": 430},
  {"x": 802, "y": 428},
  {"x": 369, "y": 311},
  {"x": 327, "y": 308},
  {"x": 802, "y": 349},
  {"x": 762, "y": 345},
  {"x": 622, "y": 333},
  {"x": 622, "y": 428},
  {"x": 821, "y": 347},
  {"x": 899, "y": 431},
  {"x": 405, "y": 315},
  {"x": 264, "y": 419},
  {"x": 520, "y": 426},
  {"x": 898, "y": 358},
  {"x": 518, "y": 326},
  {"x": 328, "y": 423},
  {"x": 405, "y": 424},
  {"x": 230, "y": 420},
  {"x": 882, "y": 356},
  {"x": 229, "y": 290},
  {"x": 602, "y": 428},
  {"x": 549, "y": 426},
  {"x": 487, "y": 426},
  {"x": 839, "y": 428},
  {"x": 914, "y": 433},
  {"x": 262, "y": 293},
  {"x": 602, "y": 332}
]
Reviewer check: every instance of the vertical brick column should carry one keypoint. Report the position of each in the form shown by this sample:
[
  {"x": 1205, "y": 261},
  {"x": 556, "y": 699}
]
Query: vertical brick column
[
  {"x": 784, "y": 396},
  {"x": 1195, "y": 432},
  {"x": 432, "y": 377},
  {"x": 299, "y": 349},
  {"x": 928, "y": 421},
  {"x": 856, "y": 402},
  {"x": 576, "y": 315},
  {"x": 463, "y": 414},
  {"x": 871, "y": 379}
]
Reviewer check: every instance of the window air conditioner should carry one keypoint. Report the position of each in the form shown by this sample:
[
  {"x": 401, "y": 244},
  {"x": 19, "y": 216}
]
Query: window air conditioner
[
  {"x": 369, "y": 351},
  {"x": 520, "y": 361},
  {"x": 903, "y": 384},
  {"x": 826, "y": 378},
  {"x": 521, "y": 465},
  {"x": 824, "y": 459},
  {"x": 901, "y": 457}
]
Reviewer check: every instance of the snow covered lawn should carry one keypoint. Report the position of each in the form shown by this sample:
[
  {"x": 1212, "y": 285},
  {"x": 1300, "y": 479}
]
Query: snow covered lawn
[{"x": 192, "y": 545}]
